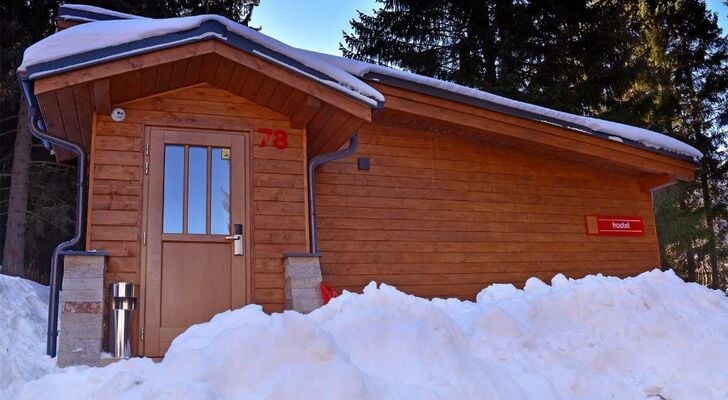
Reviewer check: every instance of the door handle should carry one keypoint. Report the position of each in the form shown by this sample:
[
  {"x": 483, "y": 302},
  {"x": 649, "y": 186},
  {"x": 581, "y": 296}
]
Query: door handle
[{"x": 237, "y": 238}]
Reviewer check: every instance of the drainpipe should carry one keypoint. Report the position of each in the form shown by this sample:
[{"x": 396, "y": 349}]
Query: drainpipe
[
  {"x": 312, "y": 166},
  {"x": 38, "y": 129}
]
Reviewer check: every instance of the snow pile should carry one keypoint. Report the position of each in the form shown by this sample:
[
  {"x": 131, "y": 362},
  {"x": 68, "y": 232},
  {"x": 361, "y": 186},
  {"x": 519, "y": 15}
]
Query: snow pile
[
  {"x": 23, "y": 316},
  {"x": 593, "y": 338}
]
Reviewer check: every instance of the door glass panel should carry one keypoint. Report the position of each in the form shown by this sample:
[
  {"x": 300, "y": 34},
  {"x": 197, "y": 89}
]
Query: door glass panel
[
  {"x": 197, "y": 191},
  {"x": 220, "y": 191},
  {"x": 174, "y": 160}
]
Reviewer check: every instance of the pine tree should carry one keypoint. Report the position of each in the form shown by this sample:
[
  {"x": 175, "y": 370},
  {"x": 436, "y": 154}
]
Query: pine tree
[
  {"x": 20, "y": 24},
  {"x": 238, "y": 10},
  {"x": 13, "y": 261},
  {"x": 680, "y": 227},
  {"x": 687, "y": 56},
  {"x": 456, "y": 41},
  {"x": 573, "y": 56}
]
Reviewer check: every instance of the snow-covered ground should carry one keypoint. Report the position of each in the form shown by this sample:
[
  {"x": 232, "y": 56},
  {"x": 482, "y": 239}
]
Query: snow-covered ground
[
  {"x": 592, "y": 338},
  {"x": 23, "y": 316}
]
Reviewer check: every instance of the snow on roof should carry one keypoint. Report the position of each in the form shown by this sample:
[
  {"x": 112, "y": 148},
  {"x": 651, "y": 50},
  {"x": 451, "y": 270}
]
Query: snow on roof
[
  {"x": 98, "y": 35},
  {"x": 640, "y": 135},
  {"x": 91, "y": 10},
  {"x": 343, "y": 74}
]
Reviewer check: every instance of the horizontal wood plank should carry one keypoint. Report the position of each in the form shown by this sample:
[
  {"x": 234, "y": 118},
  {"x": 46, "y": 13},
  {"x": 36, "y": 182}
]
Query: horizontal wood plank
[{"x": 440, "y": 215}]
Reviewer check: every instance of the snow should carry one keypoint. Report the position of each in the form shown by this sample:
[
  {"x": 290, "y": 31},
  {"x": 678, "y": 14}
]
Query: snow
[
  {"x": 101, "y": 34},
  {"x": 99, "y": 10},
  {"x": 346, "y": 73},
  {"x": 592, "y": 338},
  {"x": 23, "y": 316},
  {"x": 640, "y": 135}
]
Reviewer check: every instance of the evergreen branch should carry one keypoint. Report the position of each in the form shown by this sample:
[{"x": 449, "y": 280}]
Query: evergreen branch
[{"x": 46, "y": 221}]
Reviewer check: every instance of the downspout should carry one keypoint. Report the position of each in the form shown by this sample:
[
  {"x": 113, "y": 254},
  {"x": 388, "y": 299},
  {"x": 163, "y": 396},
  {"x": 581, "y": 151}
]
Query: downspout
[
  {"x": 38, "y": 129},
  {"x": 312, "y": 166}
]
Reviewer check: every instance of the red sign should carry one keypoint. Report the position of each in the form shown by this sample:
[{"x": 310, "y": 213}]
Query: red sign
[{"x": 614, "y": 225}]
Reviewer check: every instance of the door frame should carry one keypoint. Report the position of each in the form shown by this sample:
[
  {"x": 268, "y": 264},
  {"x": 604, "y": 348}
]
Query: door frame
[{"x": 247, "y": 228}]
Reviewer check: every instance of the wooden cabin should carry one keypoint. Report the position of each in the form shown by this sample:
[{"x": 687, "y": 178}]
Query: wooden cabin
[{"x": 196, "y": 128}]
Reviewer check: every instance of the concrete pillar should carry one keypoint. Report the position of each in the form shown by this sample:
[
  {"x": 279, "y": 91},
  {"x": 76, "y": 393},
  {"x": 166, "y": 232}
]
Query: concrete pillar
[
  {"x": 303, "y": 282},
  {"x": 82, "y": 308}
]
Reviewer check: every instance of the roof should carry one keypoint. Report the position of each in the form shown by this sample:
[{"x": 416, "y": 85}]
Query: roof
[
  {"x": 597, "y": 127},
  {"x": 101, "y": 41},
  {"x": 82, "y": 12},
  {"x": 114, "y": 35}
]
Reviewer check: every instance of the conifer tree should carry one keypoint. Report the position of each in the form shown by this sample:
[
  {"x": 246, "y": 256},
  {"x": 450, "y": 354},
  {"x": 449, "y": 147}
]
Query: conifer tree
[
  {"x": 687, "y": 57},
  {"x": 238, "y": 10},
  {"x": 21, "y": 23},
  {"x": 573, "y": 56}
]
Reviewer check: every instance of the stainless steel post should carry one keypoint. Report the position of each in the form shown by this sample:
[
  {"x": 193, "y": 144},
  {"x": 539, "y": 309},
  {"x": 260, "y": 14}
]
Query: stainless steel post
[{"x": 123, "y": 302}]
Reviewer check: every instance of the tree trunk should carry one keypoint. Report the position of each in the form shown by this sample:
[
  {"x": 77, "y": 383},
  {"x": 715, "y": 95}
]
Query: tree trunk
[
  {"x": 484, "y": 28},
  {"x": 14, "y": 248},
  {"x": 690, "y": 264},
  {"x": 710, "y": 222},
  {"x": 690, "y": 261}
]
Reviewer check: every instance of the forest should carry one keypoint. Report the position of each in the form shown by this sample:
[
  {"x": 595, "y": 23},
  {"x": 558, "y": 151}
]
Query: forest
[{"x": 657, "y": 64}]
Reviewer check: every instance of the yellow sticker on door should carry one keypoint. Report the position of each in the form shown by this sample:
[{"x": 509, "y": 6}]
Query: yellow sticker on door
[{"x": 225, "y": 154}]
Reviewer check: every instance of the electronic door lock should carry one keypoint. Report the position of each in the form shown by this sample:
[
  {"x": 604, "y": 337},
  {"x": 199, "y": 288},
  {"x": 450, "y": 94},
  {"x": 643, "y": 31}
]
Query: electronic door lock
[{"x": 237, "y": 238}]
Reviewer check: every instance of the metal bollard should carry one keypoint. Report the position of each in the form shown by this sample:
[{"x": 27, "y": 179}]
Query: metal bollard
[{"x": 123, "y": 302}]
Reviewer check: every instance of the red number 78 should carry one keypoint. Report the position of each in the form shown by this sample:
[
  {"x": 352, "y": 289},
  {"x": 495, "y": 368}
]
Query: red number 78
[{"x": 279, "y": 136}]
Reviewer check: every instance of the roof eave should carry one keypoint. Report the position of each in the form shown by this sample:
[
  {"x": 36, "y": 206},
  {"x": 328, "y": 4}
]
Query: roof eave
[
  {"x": 71, "y": 13},
  {"x": 206, "y": 31},
  {"x": 504, "y": 109}
]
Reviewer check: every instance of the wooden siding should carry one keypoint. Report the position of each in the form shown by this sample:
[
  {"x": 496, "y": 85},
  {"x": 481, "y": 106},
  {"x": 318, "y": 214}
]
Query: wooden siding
[
  {"x": 441, "y": 215},
  {"x": 277, "y": 183},
  {"x": 551, "y": 138}
]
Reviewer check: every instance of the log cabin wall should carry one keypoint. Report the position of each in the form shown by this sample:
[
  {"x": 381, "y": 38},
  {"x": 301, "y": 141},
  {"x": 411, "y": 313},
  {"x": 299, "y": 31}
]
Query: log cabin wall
[
  {"x": 277, "y": 182},
  {"x": 441, "y": 215}
]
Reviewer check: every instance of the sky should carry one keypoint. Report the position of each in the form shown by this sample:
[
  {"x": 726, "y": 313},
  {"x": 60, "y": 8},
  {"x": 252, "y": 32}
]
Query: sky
[
  {"x": 317, "y": 24},
  {"x": 720, "y": 7},
  {"x": 309, "y": 24}
]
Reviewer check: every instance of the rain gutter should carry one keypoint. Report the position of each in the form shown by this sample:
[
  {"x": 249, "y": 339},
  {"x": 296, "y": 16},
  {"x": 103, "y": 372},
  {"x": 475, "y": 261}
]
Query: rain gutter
[
  {"x": 39, "y": 130},
  {"x": 312, "y": 166}
]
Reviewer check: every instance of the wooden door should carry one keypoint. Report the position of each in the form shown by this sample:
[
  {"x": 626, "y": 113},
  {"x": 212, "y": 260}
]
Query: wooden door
[{"x": 196, "y": 199}]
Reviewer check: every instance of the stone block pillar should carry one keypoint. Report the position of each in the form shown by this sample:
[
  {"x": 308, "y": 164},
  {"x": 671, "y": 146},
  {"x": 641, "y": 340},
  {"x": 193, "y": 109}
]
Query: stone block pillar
[
  {"x": 82, "y": 309},
  {"x": 303, "y": 282}
]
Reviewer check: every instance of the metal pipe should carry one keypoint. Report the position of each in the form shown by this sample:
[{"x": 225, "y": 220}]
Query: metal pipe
[
  {"x": 312, "y": 166},
  {"x": 38, "y": 129},
  {"x": 123, "y": 303}
]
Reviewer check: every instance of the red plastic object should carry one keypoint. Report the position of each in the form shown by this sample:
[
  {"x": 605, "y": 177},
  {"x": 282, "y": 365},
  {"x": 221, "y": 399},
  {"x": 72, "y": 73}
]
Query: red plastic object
[{"x": 327, "y": 293}]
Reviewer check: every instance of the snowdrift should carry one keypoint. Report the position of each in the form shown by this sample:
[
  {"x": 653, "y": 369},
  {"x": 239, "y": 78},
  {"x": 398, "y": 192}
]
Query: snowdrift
[
  {"x": 592, "y": 338},
  {"x": 23, "y": 316}
]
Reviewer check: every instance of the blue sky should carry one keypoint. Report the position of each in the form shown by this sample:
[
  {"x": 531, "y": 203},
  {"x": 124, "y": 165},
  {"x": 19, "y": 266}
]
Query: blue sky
[
  {"x": 310, "y": 24},
  {"x": 317, "y": 24}
]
